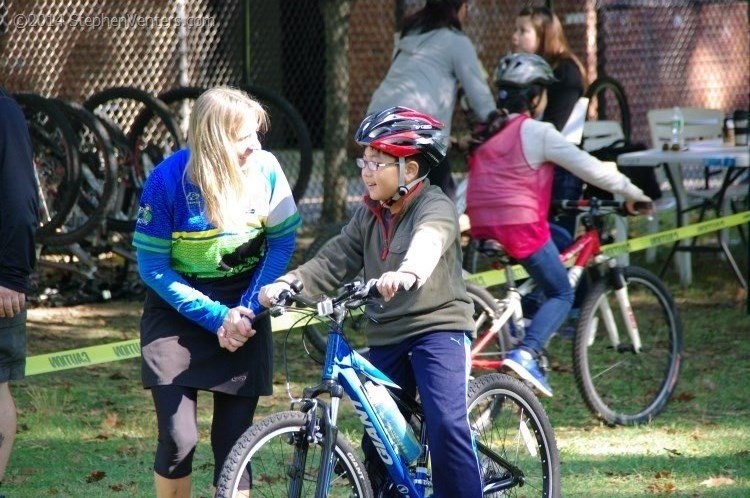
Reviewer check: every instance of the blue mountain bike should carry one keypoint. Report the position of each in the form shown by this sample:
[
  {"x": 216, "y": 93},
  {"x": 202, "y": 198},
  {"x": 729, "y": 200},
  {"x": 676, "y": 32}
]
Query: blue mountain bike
[{"x": 301, "y": 453}]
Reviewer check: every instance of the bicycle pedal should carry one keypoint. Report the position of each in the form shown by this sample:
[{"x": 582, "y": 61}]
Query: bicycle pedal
[{"x": 544, "y": 363}]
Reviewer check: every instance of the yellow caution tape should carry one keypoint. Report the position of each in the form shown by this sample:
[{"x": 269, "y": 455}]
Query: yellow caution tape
[
  {"x": 105, "y": 353},
  {"x": 497, "y": 277}
]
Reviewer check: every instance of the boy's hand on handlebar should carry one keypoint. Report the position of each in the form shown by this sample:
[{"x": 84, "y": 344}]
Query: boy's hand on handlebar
[
  {"x": 269, "y": 294},
  {"x": 640, "y": 207},
  {"x": 390, "y": 282}
]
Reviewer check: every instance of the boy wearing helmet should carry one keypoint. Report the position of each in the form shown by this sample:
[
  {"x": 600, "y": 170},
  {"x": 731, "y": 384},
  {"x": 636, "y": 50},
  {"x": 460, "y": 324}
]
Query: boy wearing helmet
[
  {"x": 508, "y": 197},
  {"x": 405, "y": 234}
]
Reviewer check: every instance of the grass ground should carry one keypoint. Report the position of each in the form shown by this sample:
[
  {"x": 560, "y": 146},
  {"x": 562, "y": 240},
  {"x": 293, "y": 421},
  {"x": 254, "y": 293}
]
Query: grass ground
[{"x": 90, "y": 432}]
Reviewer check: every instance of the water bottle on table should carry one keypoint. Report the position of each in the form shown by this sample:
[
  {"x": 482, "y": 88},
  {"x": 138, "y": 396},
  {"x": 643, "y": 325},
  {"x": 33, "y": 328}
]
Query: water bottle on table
[{"x": 678, "y": 125}]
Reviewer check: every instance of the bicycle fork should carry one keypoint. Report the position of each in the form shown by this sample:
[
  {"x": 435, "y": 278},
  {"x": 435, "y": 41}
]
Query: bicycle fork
[
  {"x": 620, "y": 287},
  {"x": 329, "y": 441},
  {"x": 318, "y": 429}
]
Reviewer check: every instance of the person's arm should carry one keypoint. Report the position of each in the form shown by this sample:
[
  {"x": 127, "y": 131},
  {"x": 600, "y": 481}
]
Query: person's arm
[
  {"x": 153, "y": 241},
  {"x": 271, "y": 266},
  {"x": 435, "y": 233},
  {"x": 281, "y": 224},
  {"x": 338, "y": 262},
  {"x": 156, "y": 272},
  {"x": 585, "y": 166},
  {"x": 18, "y": 200},
  {"x": 563, "y": 94},
  {"x": 472, "y": 77}
]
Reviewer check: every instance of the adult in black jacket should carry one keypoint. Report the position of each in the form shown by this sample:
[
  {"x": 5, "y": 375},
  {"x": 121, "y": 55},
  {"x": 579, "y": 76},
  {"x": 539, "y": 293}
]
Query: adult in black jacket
[{"x": 18, "y": 221}]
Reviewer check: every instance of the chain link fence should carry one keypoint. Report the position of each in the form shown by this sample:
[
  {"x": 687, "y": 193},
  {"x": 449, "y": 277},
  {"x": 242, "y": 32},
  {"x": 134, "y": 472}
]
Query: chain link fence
[
  {"x": 686, "y": 53},
  {"x": 664, "y": 52}
]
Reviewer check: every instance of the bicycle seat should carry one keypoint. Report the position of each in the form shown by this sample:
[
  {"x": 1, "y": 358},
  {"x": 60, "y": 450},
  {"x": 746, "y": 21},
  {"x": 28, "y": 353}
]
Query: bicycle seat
[{"x": 494, "y": 250}]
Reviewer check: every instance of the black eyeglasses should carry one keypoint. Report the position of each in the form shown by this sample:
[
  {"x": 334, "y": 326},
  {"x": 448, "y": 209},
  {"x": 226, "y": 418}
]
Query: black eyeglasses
[{"x": 363, "y": 163}]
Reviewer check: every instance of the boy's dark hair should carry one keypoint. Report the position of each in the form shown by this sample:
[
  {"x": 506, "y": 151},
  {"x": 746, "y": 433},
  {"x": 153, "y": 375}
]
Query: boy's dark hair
[{"x": 424, "y": 164}]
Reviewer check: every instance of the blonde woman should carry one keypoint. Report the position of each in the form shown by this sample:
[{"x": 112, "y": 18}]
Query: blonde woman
[{"x": 216, "y": 222}]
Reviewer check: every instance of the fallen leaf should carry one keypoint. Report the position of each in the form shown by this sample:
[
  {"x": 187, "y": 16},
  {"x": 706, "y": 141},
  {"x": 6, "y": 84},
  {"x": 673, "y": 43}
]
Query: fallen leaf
[
  {"x": 110, "y": 420},
  {"x": 715, "y": 482},
  {"x": 661, "y": 487},
  {"x": 663, "y": 474},
  {"x": 95, "y": 476}
]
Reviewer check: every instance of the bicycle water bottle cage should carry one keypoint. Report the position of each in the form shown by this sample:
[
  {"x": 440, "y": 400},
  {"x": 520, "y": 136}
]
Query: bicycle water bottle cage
[{"x": 495, "y": 251}]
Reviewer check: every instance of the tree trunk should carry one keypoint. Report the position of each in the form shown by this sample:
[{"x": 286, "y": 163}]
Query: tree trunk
[{"x": 336, "y": 18}]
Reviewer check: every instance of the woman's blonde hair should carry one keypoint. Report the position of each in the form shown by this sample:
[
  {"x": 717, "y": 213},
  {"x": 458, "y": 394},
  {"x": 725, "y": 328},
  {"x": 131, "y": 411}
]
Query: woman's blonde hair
[
  {"x": 214, "y": 167},
  {"x": 553, "y": 45}
]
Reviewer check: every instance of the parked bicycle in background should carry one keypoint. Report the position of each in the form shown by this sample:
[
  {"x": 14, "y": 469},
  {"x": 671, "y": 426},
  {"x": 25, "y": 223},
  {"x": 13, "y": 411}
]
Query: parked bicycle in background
[{"x": 628, "y": 342}]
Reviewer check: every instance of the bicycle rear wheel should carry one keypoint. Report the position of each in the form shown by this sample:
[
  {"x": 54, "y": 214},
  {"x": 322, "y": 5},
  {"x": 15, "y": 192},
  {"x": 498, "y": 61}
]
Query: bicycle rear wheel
[
  {"x": 515, "y": 439},
  {"x": 607, "y": 101},
  {"x": 284, "y": 463},
  {"x": 288, "y": 138},
  {"x": 620, "y": 386},
  {"x": 145, "y": 148},
  {"x": 56, "y": 163},
  {"x": 98, "y": 171}
]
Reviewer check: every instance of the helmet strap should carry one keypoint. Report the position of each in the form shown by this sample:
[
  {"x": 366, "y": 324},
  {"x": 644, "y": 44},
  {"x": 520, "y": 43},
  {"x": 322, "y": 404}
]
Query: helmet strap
[{"x": 404, "y": 189}]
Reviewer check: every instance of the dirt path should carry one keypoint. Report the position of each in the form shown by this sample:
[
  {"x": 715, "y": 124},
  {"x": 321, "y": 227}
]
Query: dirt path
[{"x": 58, "y": 329}]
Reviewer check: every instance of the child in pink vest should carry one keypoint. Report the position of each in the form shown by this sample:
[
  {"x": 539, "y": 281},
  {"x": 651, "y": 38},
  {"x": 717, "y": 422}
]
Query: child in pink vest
[{"x": 509, "y": 190}]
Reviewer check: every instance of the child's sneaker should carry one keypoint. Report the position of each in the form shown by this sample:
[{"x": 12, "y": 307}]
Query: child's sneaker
[{"x": 522, "y": 362}]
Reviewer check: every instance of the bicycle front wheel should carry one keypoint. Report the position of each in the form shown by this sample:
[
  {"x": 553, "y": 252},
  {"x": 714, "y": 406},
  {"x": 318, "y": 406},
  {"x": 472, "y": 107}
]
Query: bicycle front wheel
[
  {"x": 517, "y": 448},
  {"x": 284, "y": 463},
  {"x": 622, "y": 386}
]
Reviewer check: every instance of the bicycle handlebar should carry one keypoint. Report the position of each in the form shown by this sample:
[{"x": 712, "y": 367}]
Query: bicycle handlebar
[
  {"x": 603, "y": 206},
  {"x": 353, "y": 296}
]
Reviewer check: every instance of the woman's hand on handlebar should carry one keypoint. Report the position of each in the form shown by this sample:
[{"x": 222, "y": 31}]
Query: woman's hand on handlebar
[
  {"x": 640, "y": 207},
  {"x": 391, "y": 281},
  {"x": 269, "y": 294}
]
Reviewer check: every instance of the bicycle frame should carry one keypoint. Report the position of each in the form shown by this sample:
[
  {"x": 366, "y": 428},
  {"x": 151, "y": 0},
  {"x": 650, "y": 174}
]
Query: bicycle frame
[
  {"x": 341, "y": 370},
  {"x": 344, "y": 371},
  {"x": 584, "y": 252}
]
